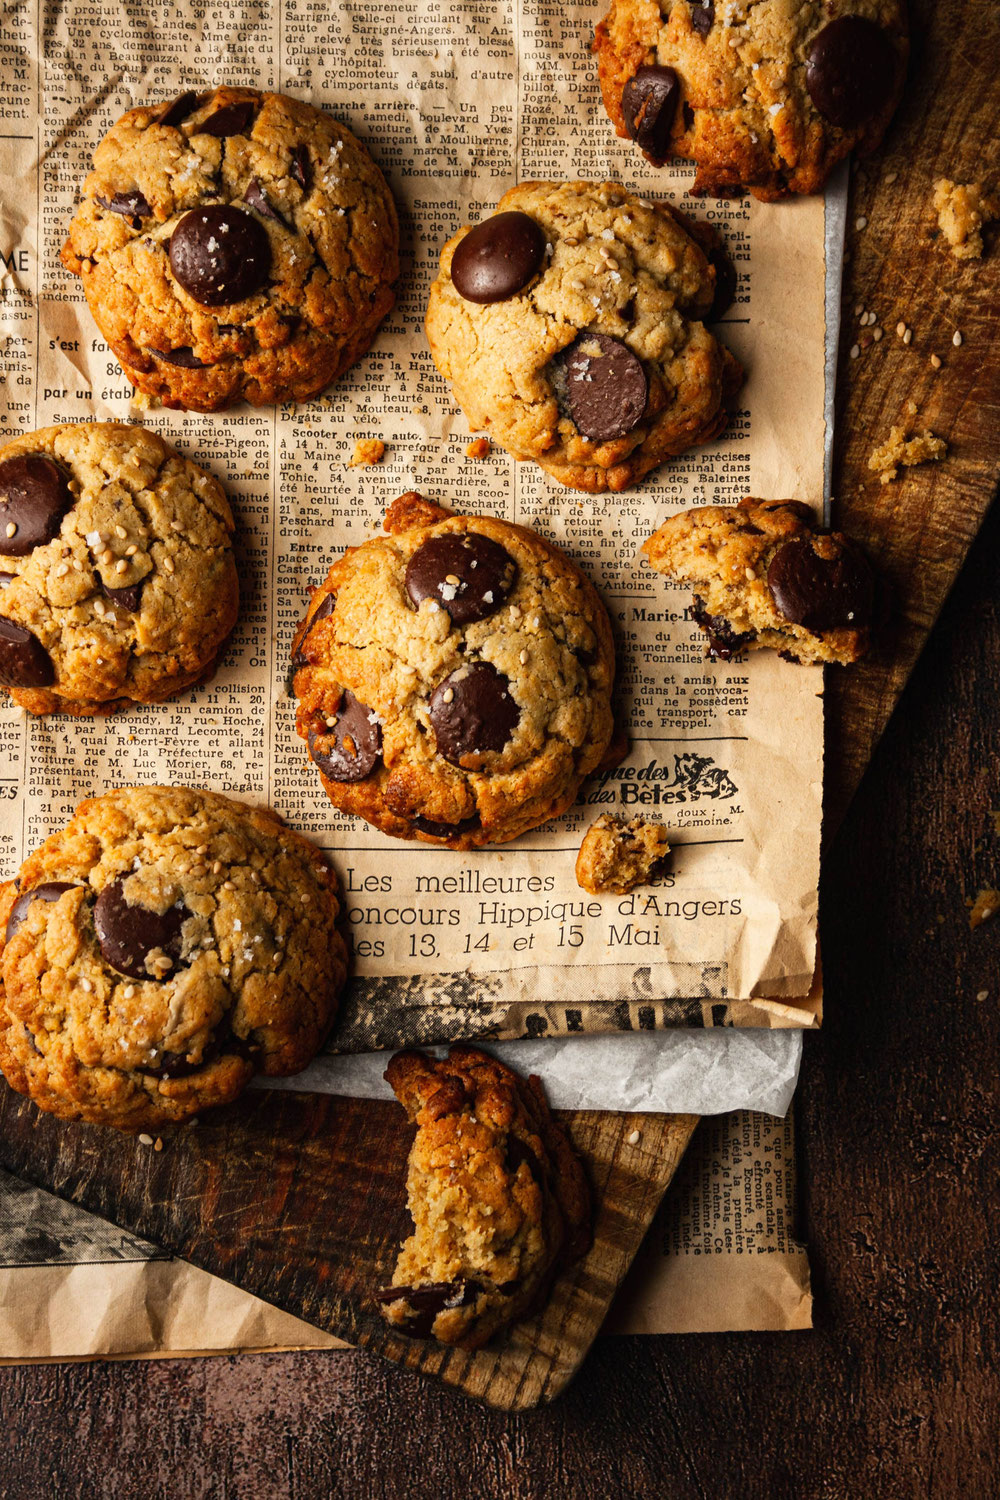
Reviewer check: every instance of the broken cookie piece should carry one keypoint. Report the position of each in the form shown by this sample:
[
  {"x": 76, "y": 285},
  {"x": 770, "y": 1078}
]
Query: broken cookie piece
[
  {"x": 617, "y": 854},
  {"x": 899, "y": 451},
  {"x": 498, "y": 1198},
  {"x": 962, "y": 210},
  {"x": 767, "y": 575}
]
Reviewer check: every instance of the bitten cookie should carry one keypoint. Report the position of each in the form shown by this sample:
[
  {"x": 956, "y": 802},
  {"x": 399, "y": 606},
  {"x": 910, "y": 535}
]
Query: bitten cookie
[
  {"x": 117, "y": 579},
  {"x": 763, "y": 94},
  {"x": 570, "y": 325},
  {"x": 617, "y": 854},
  {"x": 158, "y": 952},
  {"x": 766, "y": 574},
  {"x": 498, "y": 1198},
  {"x": 234, "y": 246},
  {"x": 454, "y": 678}
]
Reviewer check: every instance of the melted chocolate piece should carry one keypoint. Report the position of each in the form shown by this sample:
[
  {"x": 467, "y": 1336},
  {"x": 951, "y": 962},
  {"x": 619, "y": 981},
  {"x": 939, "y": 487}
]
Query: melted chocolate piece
[
  {"x": 349, "y": 749},
  {"x": 821, "y": 593},
  {"x": 723, "y": 641},
  {"x": 131, "y": 205},
  {"x": 517, "y": 1152},
  {"x": 24, "y": 661},
  {"x": 300, "y": 168},
  {"x": 34, "y": 497},
  {"x": 220, "y": 254},
  {"x": 178, "y": 109},
  {"x": 222, "y": 1043},
  {"x": 702, "y": 16},
  {"x": 128, "y": 598},
  {"x": 126, "y": 934},
  {"x": 185, "y": 357},
  {"x": 850, "y": 71},
  {"x": 257, "y": 199},
  {"x": 472, "y": 712},
  {"x": 468, "y": 574},
  {"x": 498, "y": 258},
  {"x": 649, "y": 107},
  {"x": 327, "y": 607},
  {"x": 446, "y": 830},
  {"x": 606, "y": 386},
  {"x": 231, "y": 119},
  {"x": 50, "y": 891},
  {"x": 425, "y": 1302},
  {"x": 726, "y": 280}
]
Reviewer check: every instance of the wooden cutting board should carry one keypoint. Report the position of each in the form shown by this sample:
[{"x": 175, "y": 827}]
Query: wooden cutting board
[{"x": 299, "y": 1198}]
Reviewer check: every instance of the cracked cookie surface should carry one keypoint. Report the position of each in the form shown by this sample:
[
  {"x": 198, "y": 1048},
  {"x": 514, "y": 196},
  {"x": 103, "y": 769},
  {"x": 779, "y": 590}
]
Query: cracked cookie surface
[
  {"x": 764, "y": 95},
  {"x": 606, "y": 337},
  {"x": 161, "y": 950},
  {"x": 454, "y": 678},
  {"x": 234, "y": 245},
  {"x": 498, "y": 1198},
  {"x": 117, "y": 578},
  {"x": 766, "y": 574}
]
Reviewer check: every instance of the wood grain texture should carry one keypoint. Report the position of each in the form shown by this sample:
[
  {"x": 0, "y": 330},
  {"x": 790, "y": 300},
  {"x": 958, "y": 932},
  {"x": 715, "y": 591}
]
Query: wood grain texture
[
  {"x": 917, "y": 529},
  {"x": 299, "y": 1198}
]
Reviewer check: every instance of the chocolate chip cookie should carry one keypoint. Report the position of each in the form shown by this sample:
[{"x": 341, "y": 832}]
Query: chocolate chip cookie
[
  {"x": 117, "y": 579},
  {"x": 766, "y": 96},
  {"x": 618, "y": 854},
  {"x": 161, "y": 950},
  {"x": 498, "y": 1198},
  {"x": 234, "y": 246},
  {"x": 570, "y": 324},
  {"x": 454, "y": 678},
  {"x": 766, "y": 574}
]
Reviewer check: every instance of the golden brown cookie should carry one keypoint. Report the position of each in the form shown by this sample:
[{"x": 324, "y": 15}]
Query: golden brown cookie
[
  {"x": 766, "y": 574},
  {"x": 570, "y": 325},
  {"x": 158, "y": 952},
  {"x": 117, "y": 579},
  {"x": 765, "y": 95},
  {"x": 454, "y": 678},
  {"x": 498, "y": 1198},
  {"x": 617, "y": 854},
  {"x": 234, "y": 246}
]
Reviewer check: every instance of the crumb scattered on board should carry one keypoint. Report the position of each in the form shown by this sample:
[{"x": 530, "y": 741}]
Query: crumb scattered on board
[
  {"x": 367, "y": 451},
  {"x": 478, "y": 448},
  {"x": 900, "y": 451},
  {"x": 986, "y": 904},
  {"x": 962, "y": 210}
]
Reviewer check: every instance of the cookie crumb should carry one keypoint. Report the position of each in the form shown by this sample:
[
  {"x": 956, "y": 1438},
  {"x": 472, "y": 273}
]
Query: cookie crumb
[
  {"x": 900, "y": 451},
  {"x": 986, "y": 904},
  {"x": 962, "y": 210},
  {"x": 617, "y": 855},
  {"x": 158, "y": 1143},
  {"x": 478, "y": 448},
  {"x": 367, "y": 451}
]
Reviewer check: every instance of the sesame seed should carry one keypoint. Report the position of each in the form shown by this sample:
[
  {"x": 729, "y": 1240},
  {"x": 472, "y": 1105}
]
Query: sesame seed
[
  {"x": 62, "y": 570},
  {"x": 131, "y": 551},
  {"x": 935, "y": 362},
  {"x": 86, "y": 986},
  {"x": 11, "y": 528},
  {"x": 877, "y": 334},
  {"x": 305, "y": 898},
  {"x": 983, "y": 995},
  {"x": 523, "y": 658},
  {"x": 176, "y": 526},
  {"x": 750, "y": 574},
  {"x": 863, "y": 317},
  {"x": 635, "y": 1138},
  {"x": 227, "y": 885},
  {"x": 168, "y": 565},
  {"x": 145, "y": 1140},
  {"x": 452, "y": 579},
  {"x": 908, "y": 336},
  {"x": 858, "y": 310},
  {"x": 855, "y": 351},
  {"x": 107, "y": 556},
  {"x": 448, "y": 695},
  {"x": 217, "y": 867},
  {"x": 99, "y": 606},
  {"x": 129, "y": 991},
  {"x": 861, "y": 222},
  {"x": 158, "y": 1143},
  {"x": 956, "y": 338},
  {"x": 120, "y": 531},
  {"x": 121, "y": 566},
  {"x": 890, "y": 178},
  {"x": 900, "y": 328}
]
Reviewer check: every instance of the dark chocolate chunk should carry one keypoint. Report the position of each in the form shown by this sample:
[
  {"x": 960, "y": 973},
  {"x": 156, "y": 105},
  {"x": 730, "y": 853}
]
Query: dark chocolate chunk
[
  {"x": 850, "y": 71},
  {"x": 723, "y": 641},
  {"x": 220, "y": 254},
  {"x": 231, "y": 119},
  {"x": 473, "y": 712},
  {"x": 606, "y": 386},
  {"x": 326, "y": 607},
  {"x": 131, "y": 205},
  {"x": 178, "y": 109},
  {"x": 185, "y": 357},
  {"x": 425, "y": 1302},
  {"x": 516, "y": 1152},
  {"x": 34, "y": 497},
  {"x": 127, "y": 934},
  {"x": 50, "y": 891},
  {"x": 222, "y": 1043},
  {"x": 24, "y": 661},
  {"x": 257, "y": 199},
  {"x": 498, "y": 258},
  {"x": 446, "y": 830},
  {"x": 300, "y": 168},
  {"x": 649, "y": 107},
  {"x": 469, "y": 575},
  {"x": 128, "y": 598},
  {"x": 349, "y": 749},
  {"x": 822, "y": 593},
  {"x": 725, "y": 283},
  {"x": 702, "y": 16}
]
